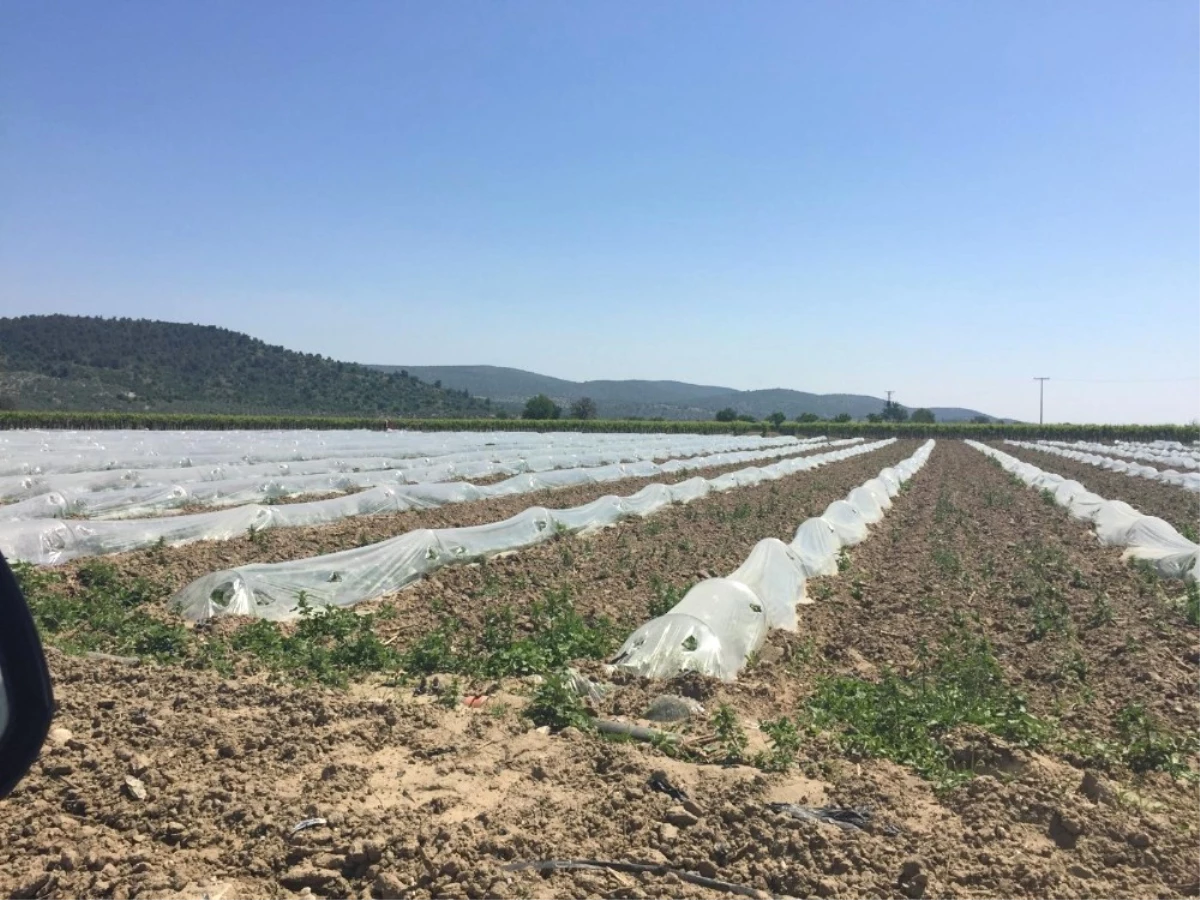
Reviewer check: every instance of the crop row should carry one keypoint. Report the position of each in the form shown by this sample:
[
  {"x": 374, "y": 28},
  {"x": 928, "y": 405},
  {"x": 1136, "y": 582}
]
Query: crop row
[{"x": 168, "y": 421}]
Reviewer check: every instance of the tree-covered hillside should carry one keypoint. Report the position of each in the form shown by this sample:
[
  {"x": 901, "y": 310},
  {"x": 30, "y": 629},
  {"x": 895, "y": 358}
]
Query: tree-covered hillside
[{"x": 88, "y": 363}]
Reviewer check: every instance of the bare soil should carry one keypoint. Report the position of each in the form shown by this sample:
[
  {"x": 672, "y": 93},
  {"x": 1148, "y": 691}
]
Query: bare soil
[
  {"x": 161, "y": 782},
  {"x": 174, "y": 567},
  {"x": 1154, "y": 498}
]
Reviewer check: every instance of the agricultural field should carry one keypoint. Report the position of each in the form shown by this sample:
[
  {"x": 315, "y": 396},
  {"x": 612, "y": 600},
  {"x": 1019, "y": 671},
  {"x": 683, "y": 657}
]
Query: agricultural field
[{"x": 512, "y": 664}]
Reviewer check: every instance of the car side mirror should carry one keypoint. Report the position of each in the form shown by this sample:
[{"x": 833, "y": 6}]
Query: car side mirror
[{"x": 26, "y": 701}]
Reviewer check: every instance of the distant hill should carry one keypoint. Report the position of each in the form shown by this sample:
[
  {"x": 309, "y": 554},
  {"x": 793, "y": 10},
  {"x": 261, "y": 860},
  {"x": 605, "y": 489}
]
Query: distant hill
[
  {"x": 88, "y": 363},
  {"x": 510, "y": 388}
]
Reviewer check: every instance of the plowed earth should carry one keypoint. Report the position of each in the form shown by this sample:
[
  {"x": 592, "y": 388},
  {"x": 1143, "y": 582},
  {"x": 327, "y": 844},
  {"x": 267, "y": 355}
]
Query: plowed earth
[
  {"x": 174, "y": 567},
  {"x": 161, "y": 782},
  {"x": 1154, "y": 498}
]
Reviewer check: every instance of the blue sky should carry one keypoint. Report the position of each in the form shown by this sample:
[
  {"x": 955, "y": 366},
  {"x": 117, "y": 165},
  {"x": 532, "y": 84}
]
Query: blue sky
[{"x": 942, "y": 199}]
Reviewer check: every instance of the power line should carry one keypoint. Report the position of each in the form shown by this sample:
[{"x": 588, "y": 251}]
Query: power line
[{"x": 1126, "y": 380}]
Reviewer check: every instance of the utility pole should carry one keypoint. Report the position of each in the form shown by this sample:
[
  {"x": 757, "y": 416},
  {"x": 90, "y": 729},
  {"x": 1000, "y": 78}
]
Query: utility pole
[
  {"x": 889, "y": 393},
  {"x": 1041, "y": 398}
]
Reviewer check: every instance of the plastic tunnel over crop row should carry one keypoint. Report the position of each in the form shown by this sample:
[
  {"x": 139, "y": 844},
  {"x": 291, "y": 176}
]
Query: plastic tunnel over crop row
[
  {"x": 1189, "y": 481},
  {"x": 1116, "y": 523},
  {"x": 720, "y": 622},
  {"x": 48, "y": 541},
  {"x": 273, "y": 591}
]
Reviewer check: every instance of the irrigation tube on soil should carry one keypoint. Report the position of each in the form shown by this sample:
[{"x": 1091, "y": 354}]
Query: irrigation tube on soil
[
  {"x": 1189, "y": 481},
  {"x": 273, "y": 590},
  {"x": 721, "y": 621},
  {"x": 52, "y": 541},
  {"x": 1117, "y": 523}
]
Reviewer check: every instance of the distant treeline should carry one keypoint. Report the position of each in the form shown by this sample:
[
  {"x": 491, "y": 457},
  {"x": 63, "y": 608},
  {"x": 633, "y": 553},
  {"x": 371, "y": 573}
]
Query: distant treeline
[{"x": 171, "y": 421}]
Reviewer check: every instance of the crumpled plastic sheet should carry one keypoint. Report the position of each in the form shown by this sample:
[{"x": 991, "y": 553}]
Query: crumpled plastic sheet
[
  {"x": 1171, "y": 453},
  {"x": 1116, "y": 523},
  {"x": 33, "y": 453},
  {"x": 1189, "y": 481},
  {"x": 273, "y": 591},
  {"x": 131, "y": 492},
  {"x": 720, "y": 622},
  {"x": 53, "y": 541}
]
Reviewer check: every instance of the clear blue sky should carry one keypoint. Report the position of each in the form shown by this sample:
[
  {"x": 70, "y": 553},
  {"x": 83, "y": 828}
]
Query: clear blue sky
[{"x": 944, "y": 199}]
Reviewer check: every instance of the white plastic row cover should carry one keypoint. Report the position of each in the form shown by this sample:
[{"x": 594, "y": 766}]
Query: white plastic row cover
[
  {"x": 1189, "y": 481},
  {"x": 1117, "y": 524},
  {"x": 124, "y": 489},
  {"x": 1169, "y": 456},
  {"x": 721, "y": 621},
  {"x": 51, "y": 541},
  {"x": 154, "y": 497},
  {"x": 61, "y": 452},
  {"x": 272, "y": 591}
]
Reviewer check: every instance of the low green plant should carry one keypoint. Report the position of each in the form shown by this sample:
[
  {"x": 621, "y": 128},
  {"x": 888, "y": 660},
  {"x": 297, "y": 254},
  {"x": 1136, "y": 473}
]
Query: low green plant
[
  {"x": 905, "y": 718},
  {"x": 784, "y": 738},
  {"x": 556, "y": 704},
  {"x": 450, "y": 693},
  {"x": 843, "y": 560},
  {"x": 106, "y": 611},
  {"x": 947, "y": 561},
  {"x": 1191, "y": 603},
  {"x": 731, "y": 737},
  {"x": 1050, "y": 614},
  {"x": 663, "y": 598},
  {"x": 550, "y": 635},
  {"x": 325, "y": 644},
  {"x": 1101, "y": 612},
  {"x": 1147, "y": 745},
  {"x": 1047, "y": 496}
]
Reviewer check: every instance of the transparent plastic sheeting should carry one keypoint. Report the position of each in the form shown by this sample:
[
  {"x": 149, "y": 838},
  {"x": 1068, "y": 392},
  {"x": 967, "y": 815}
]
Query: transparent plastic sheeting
[
  {"x": 1117, "y": 524},
  {"x": 1162, "y": 452},
  {"x": 24, "y": 453},
  {"x": 721, "y": 621},
  {"x": 127, "y": 492},
  {"x": 52, "y": 541},
  {"x": 272, "y": 591},
  {"x": 156, "y": 498},
  {"x": 1189, "y": 481}
]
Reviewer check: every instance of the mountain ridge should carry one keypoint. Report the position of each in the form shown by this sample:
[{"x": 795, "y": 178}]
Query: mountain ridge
[
  {"x": 509, "y": 388},
  {"x": 90, "y": 363}
]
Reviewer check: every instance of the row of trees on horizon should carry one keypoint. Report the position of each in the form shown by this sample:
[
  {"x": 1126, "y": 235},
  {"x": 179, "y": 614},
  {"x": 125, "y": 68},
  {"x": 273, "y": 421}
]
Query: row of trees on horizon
[{"x": 542, "y": 407}]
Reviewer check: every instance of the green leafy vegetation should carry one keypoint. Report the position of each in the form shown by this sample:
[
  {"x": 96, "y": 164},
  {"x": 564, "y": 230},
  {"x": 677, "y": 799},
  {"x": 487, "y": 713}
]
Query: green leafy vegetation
[
  {"x": 905, "y": 718},
  {"x": 1191, "y": 603},
  {"x": 784, "y": 738},
  {"x": 731, "y": 737},
  {"x": 104, "y": 613},
  {"x": 665, "y": 596},
  {"x": 329, "y": 645},
  {"x": 556, "y": 704},
  {"x": 107, "y": 611},
  {"x": 547, "y": 637},
  {"x": 137, "y": 365},
  {"x": 1143, "y": 744},
  {"x": 541, "y": 407},
  {"x": 1039, "y": 585}
]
